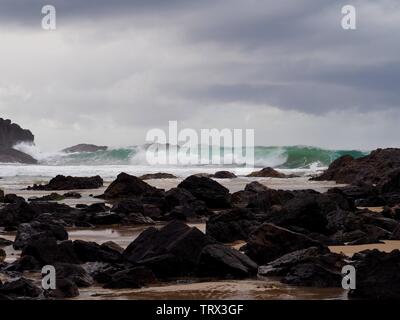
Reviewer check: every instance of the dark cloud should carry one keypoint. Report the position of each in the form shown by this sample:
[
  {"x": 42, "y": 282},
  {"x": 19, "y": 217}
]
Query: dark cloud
[{"x": 143, "y": 62}]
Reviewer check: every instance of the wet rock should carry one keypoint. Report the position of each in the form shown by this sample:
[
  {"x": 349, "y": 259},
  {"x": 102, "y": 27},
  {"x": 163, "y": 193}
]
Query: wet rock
[
  {"x": 127, "y": 206},
  {"x": 61, "y": 182},
  {"x": 26, "y": 231},
  {"x": 51, "y": 197},
  {"x": 269, "y": 242},
  {"x": 223, "y": 175},
  {"x": 269, "y": 173},
  {"x": 72, "y": 195},
  {"x": 127, "y": 186},
  {"x": 104, "y": 219},
  {"x": 65, "y": 288},
  {"x": 21, "y": 287},
  {"x": 25, "y": 263},
  {"x": 232, "y": 225},
  {"x": 171, "y": 251},
  {"x": 221, "y": 261},
  {"x": 1, "y": 195},
  {"x": 135, "y": 277},
  {"x": 158, "y": 175},
  {"x": 313, "y": 275},
  {"x": 15, "y": 213},
  {"x": 211, "y": 192},
  {"x": 74, "y": 273},
  {"x": 377, "y": 275},
  {"x": 91, "y": 251}
]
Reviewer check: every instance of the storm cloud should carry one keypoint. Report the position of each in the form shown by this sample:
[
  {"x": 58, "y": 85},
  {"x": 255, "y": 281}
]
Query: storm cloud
[{"x": 114, "y": 69}]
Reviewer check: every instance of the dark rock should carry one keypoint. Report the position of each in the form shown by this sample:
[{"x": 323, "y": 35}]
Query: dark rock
[
  {"x": 91, "y": 251},
  {"x": 217, "y": 260},
  {"x": 61, "y": 182},
  {"x": 45, "y": 250},
  {"x": 127, "y": 206},
  {"x": 211, "y": 192},
  {"x": 171, "y": 251},
  {"x": 20, "y": 288},
  {"x": 158, "y": 175},
  {"x": 313, "y": 275},
  {"x": 1, "y": 195},
  {"x": 232, "y": 225},
  {"x": 136, "y": 277},
  {"x": 72, "y": 195},
  {"x": 96, "y": 208},
  {"x": 74, "y": 273},
  {"x": 10, "y": 135},
  {"x": 105, "y": 218},
  {"x": 51, "y": 197},
  {"x": 65, "y": 288},
  {"x": 26, "y": 231},
  {"x": 15, "y": 213},
  {"x": 223, "y": 175},
  {"x": 127, "y": 186},
  {"x": 83, "y": 147},
  {"x": 377, "y": 275},
  {"x": 379, "y": 168},
  {"x": 269, "y": 242},
  {"x": 2, "y": 255},
  {"x": 8, "y": 155},
  {"x": 25, "y": 263},
  {"x": 269, "y": 173},
  {"x": 5, "y": 242}
]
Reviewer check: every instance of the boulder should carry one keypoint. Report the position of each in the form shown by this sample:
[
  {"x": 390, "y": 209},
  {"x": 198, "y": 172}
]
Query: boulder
[
  {"x": 74, "y": 273},
  {"x": 269, "y": 173},
  {"x": 378, "y": 276},
  {"x": 269, "y": 242},
  {"x": 25, "y": 263},
  {"x": 65, "y": 288},
  {"x": 127, "y": 186},
  {"x": 61, "y": 182},
  {"x": 158, "y": 175},
  {"x": 26, "y": 231},
  {"x": 223, "y": 175},
  {"x": 50, "y": 197},
  {"x": 134, "y": 278},
  {"x": 232, "y": 225},
  {"x": 171, "y": 251},
  {"x": 211, "y": 192},
  {"x": 21, "y": 287},
  {"x": 313, "y": 275},
  {"x": 91, "y": 251},
  {"x": 217, "y": 260}
]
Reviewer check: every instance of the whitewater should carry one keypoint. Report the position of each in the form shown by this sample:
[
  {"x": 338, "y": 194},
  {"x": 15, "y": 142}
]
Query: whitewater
[{"x": 303, "y": 160}]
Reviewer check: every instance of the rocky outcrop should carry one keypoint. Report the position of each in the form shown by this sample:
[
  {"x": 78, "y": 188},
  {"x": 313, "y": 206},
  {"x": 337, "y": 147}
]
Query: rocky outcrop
[
  {"x": 380, "y": 168},
  {"x": 211, "y": 192},
  {"x": 10, "y": 135},
  {"x": 61, "y": 182},
  {"x": 83, "y": 147}
]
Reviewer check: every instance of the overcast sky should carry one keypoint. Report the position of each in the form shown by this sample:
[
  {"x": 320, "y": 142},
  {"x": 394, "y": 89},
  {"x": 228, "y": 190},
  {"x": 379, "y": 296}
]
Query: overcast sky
[{"x": 115, "y": 69}]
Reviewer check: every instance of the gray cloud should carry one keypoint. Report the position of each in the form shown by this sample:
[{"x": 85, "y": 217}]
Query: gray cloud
[{"x": 134, "y": 65}]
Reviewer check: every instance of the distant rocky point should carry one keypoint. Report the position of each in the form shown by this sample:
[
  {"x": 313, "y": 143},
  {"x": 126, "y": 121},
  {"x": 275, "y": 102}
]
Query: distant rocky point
[
  {"x": 10, "y": 135},
  {"x": 84, "y": 147}
]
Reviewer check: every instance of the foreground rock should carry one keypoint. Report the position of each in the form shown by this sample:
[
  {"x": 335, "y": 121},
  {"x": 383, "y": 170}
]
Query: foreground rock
[
  {"x": 269, "y": 242},
  {"x": 268, "y": 173},
  {"x": 127, "y": 186},
  {"x": 20, "y": 288},
  {"x": 378, "y": 275},
  {"x": 211, "y": 192},
  {"x": 83, "y": 147},
  {"x": 61, "y": 182},
  {"x": 311, "y": 267}
]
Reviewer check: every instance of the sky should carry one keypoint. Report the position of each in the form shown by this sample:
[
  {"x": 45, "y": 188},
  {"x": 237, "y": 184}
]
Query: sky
[{"x": 112, "y": 70}]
